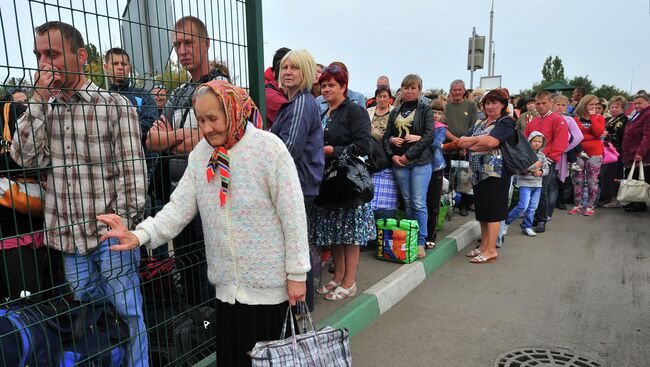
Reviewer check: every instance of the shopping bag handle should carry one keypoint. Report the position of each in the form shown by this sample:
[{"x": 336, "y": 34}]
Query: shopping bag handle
[
  {"x": 304, "y": 310},
  {"x": 635, "y": 165}
]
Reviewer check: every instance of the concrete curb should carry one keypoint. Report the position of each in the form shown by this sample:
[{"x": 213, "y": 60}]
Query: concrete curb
[
  {"x": 381, "y": 297},
  {"x": 367, "y": 307}
]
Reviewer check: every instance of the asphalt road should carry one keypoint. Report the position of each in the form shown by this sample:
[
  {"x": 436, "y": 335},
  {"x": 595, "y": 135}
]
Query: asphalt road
[{"x": 584, "y": 285}]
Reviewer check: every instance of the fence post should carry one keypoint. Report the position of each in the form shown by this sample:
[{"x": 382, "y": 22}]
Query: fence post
[{"x": 255, "y": 41}]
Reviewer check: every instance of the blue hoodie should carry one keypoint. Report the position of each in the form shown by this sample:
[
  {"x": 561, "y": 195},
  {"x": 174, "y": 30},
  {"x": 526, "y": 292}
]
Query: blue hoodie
[{"x": 298, "y": 125}]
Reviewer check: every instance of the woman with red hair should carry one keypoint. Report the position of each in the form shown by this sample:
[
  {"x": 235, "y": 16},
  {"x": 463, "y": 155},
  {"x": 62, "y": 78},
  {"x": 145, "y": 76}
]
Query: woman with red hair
[{"x": 346, "y": 126}]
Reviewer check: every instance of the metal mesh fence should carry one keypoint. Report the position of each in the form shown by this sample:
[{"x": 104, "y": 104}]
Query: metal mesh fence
[{"x": 96, "y": 118}]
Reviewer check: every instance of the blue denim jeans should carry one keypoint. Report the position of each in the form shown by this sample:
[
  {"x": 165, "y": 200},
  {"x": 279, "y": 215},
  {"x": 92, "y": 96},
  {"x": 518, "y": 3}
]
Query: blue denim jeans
[
  {"x": 413, "y": 181},
  {"x": 528, "y": 201},
  {"x": 112, "y": 275}
]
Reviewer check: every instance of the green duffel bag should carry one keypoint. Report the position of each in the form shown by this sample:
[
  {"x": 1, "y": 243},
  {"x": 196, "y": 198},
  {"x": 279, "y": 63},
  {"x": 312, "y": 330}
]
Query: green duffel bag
[{"x": 397, "y": 240}]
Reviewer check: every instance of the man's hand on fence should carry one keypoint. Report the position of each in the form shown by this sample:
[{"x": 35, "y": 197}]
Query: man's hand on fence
[{"x": 128, "y": 240}]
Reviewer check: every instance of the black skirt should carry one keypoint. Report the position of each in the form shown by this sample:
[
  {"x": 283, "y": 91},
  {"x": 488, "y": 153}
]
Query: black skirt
[
  {"x": 491, "y": 199},
  {"x": 610, "y": 174},
  {"x": 240, "y": 326}
]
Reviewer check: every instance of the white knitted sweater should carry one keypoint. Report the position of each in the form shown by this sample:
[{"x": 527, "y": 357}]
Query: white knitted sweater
[{"x": 257, "y": 240}]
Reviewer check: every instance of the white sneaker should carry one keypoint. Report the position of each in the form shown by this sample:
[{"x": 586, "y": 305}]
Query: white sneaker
[
  {"x": 529, "y": 232},
  {"x": 505, "y": 230}
]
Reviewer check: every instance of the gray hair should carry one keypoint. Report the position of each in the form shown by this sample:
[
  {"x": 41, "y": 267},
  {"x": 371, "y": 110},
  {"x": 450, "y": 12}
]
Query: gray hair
[
  {"x": 201, "y": 91},
  {"x": 642, "y": 96},
  {"x": 457, "y": 81}
]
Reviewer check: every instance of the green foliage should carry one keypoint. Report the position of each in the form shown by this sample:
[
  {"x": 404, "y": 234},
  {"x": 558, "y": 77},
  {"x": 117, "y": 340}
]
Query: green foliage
[
  {"x": 173, "y": 76},
  {"x": 582, "y": 81},
  {"x": 553, "y": 70},
  {"x": 608, "y": 91},
  {"x": 94, "y": 67}
]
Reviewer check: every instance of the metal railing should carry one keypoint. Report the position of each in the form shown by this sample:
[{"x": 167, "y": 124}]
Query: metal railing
[{"x": 103, "y": 125}]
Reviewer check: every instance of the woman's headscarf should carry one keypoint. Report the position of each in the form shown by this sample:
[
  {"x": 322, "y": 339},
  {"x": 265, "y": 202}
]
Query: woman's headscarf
[{"x": 239, "y": 109}]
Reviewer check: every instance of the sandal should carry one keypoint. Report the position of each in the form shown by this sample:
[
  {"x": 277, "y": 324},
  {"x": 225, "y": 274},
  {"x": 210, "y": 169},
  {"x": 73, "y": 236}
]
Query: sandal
[
  {"x": 430, "y": 245},
  {"x": 324, "y": 288},
  {"x": 474, "y": 253},
  {"x": 421, "y": 253},
  {"x": 341, "y": 293},
  {"x": 480, "y": 259}
]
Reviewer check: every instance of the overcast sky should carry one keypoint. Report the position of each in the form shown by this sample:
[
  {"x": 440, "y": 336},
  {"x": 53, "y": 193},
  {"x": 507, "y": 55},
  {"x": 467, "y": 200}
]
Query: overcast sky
[{"x": 606, "y": 40}]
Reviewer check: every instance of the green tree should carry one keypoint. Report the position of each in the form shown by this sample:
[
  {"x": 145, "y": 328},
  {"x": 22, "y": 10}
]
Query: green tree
[
  {"x": 173, "y": 76},
  {"x": 94, "y": 67},
  {"x": 582, "y": 81},
  {"x": 608, "y": 91},
  {"x": 553, "y": 70}
]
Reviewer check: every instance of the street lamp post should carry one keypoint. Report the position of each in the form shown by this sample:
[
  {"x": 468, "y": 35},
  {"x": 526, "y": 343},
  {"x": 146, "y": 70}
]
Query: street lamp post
[{"x": 490, "y": 55}]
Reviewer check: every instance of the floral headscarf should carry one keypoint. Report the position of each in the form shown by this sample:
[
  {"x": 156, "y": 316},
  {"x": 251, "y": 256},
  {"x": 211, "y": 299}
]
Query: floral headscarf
[{"x": 239, "y": 109}]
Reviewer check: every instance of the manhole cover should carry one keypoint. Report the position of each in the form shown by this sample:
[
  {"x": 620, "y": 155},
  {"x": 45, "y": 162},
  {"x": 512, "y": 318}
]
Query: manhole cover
[{"x": 542, "y": 357}]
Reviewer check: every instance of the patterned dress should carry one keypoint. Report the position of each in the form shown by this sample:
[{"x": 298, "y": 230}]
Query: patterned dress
[{"x": 342, "y": 226}]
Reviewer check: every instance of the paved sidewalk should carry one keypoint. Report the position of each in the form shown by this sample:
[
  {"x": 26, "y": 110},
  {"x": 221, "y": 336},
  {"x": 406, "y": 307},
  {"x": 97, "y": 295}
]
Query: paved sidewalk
[{"x": 584, "y": 285}]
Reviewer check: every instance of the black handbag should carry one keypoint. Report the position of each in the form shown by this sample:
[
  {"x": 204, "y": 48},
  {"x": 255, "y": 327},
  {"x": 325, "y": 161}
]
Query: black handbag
[
  {"x": 346, "y": 183},
  {"x": 517, "y": 155}
]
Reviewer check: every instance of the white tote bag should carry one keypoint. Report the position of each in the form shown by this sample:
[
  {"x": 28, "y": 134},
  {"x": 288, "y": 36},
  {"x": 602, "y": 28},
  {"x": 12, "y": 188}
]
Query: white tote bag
[{"x": 636, "y": 191}]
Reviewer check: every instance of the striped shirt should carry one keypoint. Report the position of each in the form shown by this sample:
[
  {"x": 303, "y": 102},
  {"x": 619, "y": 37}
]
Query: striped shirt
[{"x": 91, "y": 145}]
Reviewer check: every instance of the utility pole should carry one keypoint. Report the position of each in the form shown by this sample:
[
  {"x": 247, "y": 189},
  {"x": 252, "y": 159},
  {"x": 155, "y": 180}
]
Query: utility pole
[
  {"x": 490, "y": 54},
  {"x": 494, "y": 52},
  {"x": 472, "y": 53}
]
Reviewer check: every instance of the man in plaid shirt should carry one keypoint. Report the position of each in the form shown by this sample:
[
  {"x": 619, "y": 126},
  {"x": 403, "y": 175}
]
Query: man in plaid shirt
[{"x": 90, "y": 140}]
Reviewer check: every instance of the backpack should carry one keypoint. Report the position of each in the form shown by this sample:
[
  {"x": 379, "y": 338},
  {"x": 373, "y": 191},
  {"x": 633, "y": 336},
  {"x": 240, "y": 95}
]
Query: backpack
[
  {"x": 62, "y": 334},
  {"x": 25, "y": 195}
]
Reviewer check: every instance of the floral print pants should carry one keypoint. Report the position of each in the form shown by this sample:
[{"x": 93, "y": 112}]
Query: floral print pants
[{"x": 589, "y": 176}]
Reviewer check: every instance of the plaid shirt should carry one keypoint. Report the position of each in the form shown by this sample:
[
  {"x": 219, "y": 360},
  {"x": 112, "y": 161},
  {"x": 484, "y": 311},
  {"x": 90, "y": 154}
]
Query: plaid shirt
[{"x": 91, "y": 144}]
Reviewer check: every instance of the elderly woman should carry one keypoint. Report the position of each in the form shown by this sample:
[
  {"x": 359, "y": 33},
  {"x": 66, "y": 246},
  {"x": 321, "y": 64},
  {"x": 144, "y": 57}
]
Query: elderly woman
[
  {"x": 612, "y": 172},
  {"x": 253, "y": 217},
  {"x": 592, "y": 126},
  {"x": 407, "y": 142},
  {"x": 298, "y": 125},
  {"x": 490, "y": 180},
  {"x": 347, "y": 126},
  {"x": 636, "y": 143}
]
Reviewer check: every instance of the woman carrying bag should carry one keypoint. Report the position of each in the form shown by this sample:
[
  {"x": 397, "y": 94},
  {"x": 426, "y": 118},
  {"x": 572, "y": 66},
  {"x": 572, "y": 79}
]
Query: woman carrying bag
[{"x": 244, "y": 183}]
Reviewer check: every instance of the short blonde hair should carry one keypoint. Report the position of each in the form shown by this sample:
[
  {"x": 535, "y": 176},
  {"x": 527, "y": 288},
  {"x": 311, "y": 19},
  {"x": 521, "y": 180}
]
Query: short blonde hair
[
  {"x": 412, "y": 79},
  {"x": 581, "y": 109},
  {"x": 305, "y": 62},
  {"x": 560, "y": 97},
  {"x": 618, "y": 99}
]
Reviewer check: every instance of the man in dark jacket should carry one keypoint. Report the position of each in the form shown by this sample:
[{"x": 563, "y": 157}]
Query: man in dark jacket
[{"x": 117, "y": 67}]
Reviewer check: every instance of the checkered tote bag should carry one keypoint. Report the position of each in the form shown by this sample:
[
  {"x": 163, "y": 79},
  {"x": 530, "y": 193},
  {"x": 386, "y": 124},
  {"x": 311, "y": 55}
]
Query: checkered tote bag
[{"x": 327, "y": 347}]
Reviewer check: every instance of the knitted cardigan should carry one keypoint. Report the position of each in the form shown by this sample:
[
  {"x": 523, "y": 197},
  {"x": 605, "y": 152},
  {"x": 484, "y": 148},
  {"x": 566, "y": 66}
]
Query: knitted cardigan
[{"x": 258, "y": 239}]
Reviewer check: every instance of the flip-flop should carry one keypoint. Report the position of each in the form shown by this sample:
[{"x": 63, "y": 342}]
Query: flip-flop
[
  {"x": 430, "y": 245},
  {"x": 480, "y": 259},
  {"x": 475, "y": 252}
]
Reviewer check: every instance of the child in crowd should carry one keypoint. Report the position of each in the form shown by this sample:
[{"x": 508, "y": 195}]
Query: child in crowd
[{"x": 530, "y": 187}]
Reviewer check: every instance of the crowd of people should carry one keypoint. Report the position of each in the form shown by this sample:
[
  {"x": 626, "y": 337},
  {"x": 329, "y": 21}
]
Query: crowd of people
[{"x": 235, "y": 191}]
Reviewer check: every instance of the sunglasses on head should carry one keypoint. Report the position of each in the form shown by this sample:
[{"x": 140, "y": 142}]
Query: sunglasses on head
[{"x": 333, "y": 69}]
